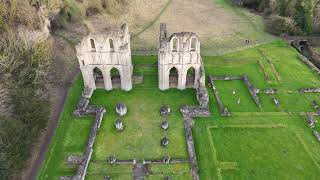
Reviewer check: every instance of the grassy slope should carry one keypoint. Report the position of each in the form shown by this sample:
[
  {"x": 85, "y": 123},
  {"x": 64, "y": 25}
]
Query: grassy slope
[
  {"x": 290, "y": 140},
  {"x": 259, "y": 152},
  {"x": 221, "y": 26}
]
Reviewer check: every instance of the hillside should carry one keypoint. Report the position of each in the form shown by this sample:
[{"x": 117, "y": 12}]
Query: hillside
[{"x": 221, "y": 26}]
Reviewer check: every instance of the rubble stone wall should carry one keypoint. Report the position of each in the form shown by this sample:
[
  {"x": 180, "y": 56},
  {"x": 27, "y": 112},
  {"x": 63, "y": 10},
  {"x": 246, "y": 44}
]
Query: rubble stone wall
[{"x": 83, "y": 109}]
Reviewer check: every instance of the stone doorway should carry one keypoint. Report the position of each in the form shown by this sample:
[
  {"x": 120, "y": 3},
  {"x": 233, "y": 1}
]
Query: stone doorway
[
  {"x": 191, "y": 76},
  {"x": 173, "y": 77},
  {"x": 98, "y": 78},
  {"x": 115, "y": 78}
]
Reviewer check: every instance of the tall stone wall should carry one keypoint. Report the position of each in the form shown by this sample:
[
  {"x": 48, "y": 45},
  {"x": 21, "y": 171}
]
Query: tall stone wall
[
  {"x": 180, "y": 51},
  {"x": 107, "y": 50}
]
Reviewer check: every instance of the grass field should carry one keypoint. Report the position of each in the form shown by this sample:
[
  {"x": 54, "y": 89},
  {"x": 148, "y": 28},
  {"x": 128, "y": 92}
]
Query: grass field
[
  {"x": 267, "y": 143},
  {"x": 140, "y": 140},
  {"x": 270, "y": 143},
  {"x": 221, "y": 26},
  {"x": 143, "y": 119}
]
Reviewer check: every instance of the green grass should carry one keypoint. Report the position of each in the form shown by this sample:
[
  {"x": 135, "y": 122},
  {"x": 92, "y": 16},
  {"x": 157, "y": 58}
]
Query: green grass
[
  {"x": 140, "y": 140},
  {"x": 263, "y": 151},
  {"x": 142, "y": 134},
  {"x": 258, "y": 152},
  {"x": 70, "y": 138},
  {"x": 267, "y": 143}
]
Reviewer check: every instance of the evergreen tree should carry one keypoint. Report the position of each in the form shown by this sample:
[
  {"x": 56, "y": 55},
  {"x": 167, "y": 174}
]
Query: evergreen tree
[{"x": 303, "y": 15}]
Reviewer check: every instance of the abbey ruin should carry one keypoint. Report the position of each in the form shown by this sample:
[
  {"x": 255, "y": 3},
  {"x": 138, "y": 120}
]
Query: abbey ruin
[
  {"x": 105, "y": 60},
  {"x": 179, "y": 59}
]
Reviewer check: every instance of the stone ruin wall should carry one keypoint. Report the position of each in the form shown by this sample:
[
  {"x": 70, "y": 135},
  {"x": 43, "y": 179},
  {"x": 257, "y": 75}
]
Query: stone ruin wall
[
  {"x": 304, "y": 47},
  {"x": 107, "y": 50},
  {"x": 177, "y": 51}
]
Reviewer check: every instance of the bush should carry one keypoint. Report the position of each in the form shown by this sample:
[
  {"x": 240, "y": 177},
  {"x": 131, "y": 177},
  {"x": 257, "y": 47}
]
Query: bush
[
  {"x": 303, "y": 15},
  {"x": 282, "y": 25},
  {"x": 13, "y": 146},
  {"x": 31, "y": 110},
  {"x": 24, "y": 64},
  {"x": 24, "y": 71}
]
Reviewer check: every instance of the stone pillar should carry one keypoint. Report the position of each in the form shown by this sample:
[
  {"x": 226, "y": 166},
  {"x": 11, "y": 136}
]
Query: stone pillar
[
  {"x": 88, "y": 79},
  {"x": 180, "y": 72},
  {"x": 125, "y": 75},
  {"x": 107, "y": 78},
  {"x": 182, "y": 78}
]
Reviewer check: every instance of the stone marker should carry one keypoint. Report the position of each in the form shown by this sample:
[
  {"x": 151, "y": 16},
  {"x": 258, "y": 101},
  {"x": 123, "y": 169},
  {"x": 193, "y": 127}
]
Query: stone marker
[
  {"x": 165, "y": 125},
  {"x": 121, "y": 109},
  {"x": 119, "y": 125},
  {"x": 164, "y": 141},
  {"x": 165, "y": 111}
]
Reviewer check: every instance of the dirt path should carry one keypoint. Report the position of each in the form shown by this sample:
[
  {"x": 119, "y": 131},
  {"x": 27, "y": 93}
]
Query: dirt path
[
  {"x": 63, "y": 92},
  {"x": 60, "y": 93}
]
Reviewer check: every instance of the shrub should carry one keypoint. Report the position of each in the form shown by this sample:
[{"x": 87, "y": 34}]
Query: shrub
[
  {"x": 23, "y": 63},
  {"x": 303, "y": 15},
  {"x": 281, "y": 25},
  {"x": 24, "y": 70},
  {"x": 13, "y": 146}
]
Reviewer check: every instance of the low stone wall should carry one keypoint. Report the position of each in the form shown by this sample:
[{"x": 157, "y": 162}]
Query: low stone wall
[
  {"x": 83, "y": 109},
  {"x": 252, "y": 90},
  {"x": 168, "y": 161},
  {"x": 310, "y": 64},
  {"x": 226, "y": 78},
  {"x": 223, "y": 110},
  {"x": 191, "y": 149},
  {"x": 270, "y": 91},
  {"x": 195, "y": 111},
  {"x": 311, "y": 122},
  {"x": 309, "y": 90},
  {"x": 75, "y": 160},
  {"x": 316, "y": 134},
  {"x": 189, "y": 112}
]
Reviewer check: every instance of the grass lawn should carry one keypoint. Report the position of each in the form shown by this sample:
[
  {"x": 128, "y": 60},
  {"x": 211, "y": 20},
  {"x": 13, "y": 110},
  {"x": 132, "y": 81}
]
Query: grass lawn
[
  {"x": 142, "y": 134},
  {"x": 267, "y": 143},
  {"x": 261, "y": 152},
  {"x": 140, "y": 140},
  {"x": 254, "y": 152}
]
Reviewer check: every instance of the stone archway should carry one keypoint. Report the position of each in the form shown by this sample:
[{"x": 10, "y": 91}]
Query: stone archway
[
  {"x": 173, "y": 77},
  {"x": 190, "y": 77},
  {"x": 115, "y": 78},
  {"x": 98, "y": 78}
]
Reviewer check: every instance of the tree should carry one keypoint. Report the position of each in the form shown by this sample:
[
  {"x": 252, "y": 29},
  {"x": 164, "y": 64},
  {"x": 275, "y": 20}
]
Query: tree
[{"x": 303, "y": 15}]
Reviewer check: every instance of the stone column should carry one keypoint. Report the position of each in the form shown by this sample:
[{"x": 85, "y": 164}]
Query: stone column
[
  {"x": 181, "y": 79},
  {"x": 184, "y": 71},
  {"x": 107, "y": 78},
  {"x": 88, "y": 79}
]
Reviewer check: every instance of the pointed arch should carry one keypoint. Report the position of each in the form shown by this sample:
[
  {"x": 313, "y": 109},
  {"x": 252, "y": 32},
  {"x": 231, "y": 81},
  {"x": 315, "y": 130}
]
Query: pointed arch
[
  {"x": 191, "y": 77},
  {"x": 98, "y": 78},
  {"x": 115, "y": 77},
  {"x": 173, "y": 77}
]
